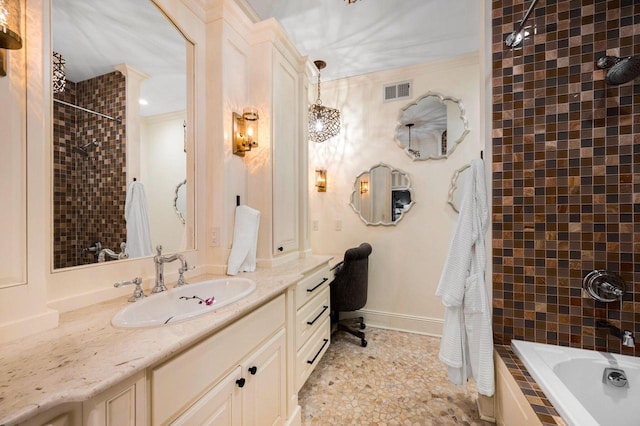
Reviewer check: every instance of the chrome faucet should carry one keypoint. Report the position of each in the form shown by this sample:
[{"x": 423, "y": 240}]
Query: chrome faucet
[
  {"x": 625, "y": 336},
  {"x": 159, "y": 261}
]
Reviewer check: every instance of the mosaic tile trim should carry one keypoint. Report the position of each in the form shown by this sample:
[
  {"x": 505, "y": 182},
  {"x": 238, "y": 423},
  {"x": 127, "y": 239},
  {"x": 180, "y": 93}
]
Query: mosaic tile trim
[
  {"x": 89, "y": 191},
  {"x": 566, "y": 172},
  {"x": 541, "y": 405}
]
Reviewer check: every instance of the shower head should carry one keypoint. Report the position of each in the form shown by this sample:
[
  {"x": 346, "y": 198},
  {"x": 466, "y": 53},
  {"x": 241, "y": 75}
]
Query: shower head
[
  {"x": 82, "y": 150},
  {"x": 620, "y": 70}
]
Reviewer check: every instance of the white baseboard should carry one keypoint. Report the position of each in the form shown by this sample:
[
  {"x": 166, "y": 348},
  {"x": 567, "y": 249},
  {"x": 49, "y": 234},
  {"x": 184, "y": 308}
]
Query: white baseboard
[
  {"x": 399, "y": 322},
  {"x": 28, "y": 326}
]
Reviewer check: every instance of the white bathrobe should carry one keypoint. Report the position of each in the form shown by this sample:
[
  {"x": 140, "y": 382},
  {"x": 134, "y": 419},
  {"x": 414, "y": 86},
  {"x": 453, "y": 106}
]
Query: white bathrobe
[
  {"x": 467, "y": 337},
  {"x": 135, "y": 213}
]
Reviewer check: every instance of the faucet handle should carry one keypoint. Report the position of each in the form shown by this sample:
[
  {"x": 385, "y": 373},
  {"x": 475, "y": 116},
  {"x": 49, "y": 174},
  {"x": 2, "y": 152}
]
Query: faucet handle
[
  {"x": 159, "y": 250},
  {"x": 181, "y": 271},
  {"x": 138, "y": 293}
]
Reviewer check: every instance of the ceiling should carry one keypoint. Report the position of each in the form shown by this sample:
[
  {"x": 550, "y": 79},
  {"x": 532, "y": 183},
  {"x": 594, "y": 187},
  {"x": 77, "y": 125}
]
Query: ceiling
[
  {"x": 375, "y": 35},
  {"x": 95, "y": 35},
  {"x": 363, "y": 37}
]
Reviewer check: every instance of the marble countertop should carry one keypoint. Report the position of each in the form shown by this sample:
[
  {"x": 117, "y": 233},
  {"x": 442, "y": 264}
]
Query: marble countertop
[{"x": 85, "y": 355}]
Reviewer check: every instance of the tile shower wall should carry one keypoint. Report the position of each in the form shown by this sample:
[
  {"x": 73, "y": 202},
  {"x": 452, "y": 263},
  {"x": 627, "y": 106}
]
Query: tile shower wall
[
  {"x": 566, "y": 172},
  {"x": 89, "y": 191}
]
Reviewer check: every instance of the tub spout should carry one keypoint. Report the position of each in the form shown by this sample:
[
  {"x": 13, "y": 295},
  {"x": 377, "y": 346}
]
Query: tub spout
[
  {"x": 626, "y": 337},
  {"x": 628, "y": 340}
]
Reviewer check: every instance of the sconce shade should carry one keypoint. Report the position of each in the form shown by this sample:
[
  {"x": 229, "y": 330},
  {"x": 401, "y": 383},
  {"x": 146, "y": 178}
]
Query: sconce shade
[
  {"x": 245, "y": 131},
  {"x": 321, "y": 180},
  {"x": 324, "y": 122},
  {"x": 10, "y": 24},
  {"x": 58, "y": 78}
]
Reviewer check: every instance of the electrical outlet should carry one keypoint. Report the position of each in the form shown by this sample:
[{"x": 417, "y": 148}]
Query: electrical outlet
[
  {"x": 215, "y": 237},
  {"x": 315, "y": 225},
  {"x": 338, "y": 225}
]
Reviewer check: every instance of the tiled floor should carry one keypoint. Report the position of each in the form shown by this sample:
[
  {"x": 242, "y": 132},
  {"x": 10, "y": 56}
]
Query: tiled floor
[{"x": 396, "y": 380}]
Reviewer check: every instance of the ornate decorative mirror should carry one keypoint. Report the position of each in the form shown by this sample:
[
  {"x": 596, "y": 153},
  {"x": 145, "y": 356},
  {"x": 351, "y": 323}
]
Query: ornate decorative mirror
[
  {"x": 456, "y": 189},
  {"x": 382, "y": 195},
  {"x": 431, "y": 127},
  {"x": 121, "y": 95},
  {"x": 180, "y": 201}
]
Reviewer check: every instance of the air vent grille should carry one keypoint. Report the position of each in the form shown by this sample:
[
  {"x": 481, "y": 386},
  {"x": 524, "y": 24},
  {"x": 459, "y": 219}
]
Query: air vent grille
[{"x": 397, "y": 91}]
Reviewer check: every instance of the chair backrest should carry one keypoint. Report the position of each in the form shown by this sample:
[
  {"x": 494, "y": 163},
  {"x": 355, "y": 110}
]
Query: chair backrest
[{"x": 349, "y": 287}]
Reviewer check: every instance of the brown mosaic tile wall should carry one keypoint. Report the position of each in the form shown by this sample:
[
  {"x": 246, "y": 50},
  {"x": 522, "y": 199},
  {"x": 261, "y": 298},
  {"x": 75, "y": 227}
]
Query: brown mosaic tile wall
[
  {"x": 566, "y": 172},
  {"x": 89, "y": 191}
]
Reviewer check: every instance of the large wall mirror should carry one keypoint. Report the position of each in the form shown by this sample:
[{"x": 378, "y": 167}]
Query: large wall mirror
[
  {"x": 382, "y": 195},
  {"x": 121, "y": 75},
  {"x": 431, "y": 127}
]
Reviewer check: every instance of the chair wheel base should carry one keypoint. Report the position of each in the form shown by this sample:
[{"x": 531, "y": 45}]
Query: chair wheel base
[{"x": 363, "y": 343}]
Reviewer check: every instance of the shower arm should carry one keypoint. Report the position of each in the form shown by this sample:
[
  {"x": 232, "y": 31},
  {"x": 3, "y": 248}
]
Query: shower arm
[{"x": 526, "y": 15}]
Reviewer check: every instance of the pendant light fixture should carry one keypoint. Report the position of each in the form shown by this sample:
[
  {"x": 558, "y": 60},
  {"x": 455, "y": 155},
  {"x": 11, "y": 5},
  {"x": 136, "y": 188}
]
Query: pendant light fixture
[{"x": 324, "y": 122}]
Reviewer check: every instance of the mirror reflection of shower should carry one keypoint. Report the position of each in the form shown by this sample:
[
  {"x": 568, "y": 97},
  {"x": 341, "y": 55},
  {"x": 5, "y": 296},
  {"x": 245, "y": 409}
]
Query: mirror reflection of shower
[{"x": 83, "y": 150}]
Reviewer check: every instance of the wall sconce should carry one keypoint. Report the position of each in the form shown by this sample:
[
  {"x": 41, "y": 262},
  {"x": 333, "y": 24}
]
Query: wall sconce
[
  {"x": 364, "y": 186},
  {"x": 10, "y": 19},
  {"x": 245, "y": 131},
  {"x": 321, "y": 180}
]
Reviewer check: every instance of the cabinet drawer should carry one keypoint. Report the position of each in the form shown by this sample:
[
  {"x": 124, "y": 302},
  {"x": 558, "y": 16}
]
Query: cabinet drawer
[
  {"x": 313, "y": 283},
  {"x": 311, "y": 352},
  {"x": 311, "y": 316},
  {"x": 177, "y": 383}
]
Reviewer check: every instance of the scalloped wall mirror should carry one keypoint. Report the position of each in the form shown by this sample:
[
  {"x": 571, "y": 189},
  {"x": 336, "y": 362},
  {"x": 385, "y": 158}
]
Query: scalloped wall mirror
[
  {"x": 382, "y": 195},
  {"x": 456, "y": 189},
  {"x": 431, "y": 127}
]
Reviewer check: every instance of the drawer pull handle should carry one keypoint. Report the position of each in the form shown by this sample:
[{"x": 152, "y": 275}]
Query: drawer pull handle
[
  {"x": 240, "y": 382},
  {"x": 324, "y": 280},
  {"x": 253, "y": 370},
  {"x": 324, "y": 309},
  {"x": 321, "y": 348}
]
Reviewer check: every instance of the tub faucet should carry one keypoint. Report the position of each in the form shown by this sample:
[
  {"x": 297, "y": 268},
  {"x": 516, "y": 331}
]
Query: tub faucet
[
  {"x": 159, "y": 261},
  {"x": 625, "y": 336}
]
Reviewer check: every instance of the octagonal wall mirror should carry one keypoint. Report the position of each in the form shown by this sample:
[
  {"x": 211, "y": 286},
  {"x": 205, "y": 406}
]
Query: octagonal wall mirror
[
  {"x": 382, "y": 195},
  {"x": 431, "y": 127}
]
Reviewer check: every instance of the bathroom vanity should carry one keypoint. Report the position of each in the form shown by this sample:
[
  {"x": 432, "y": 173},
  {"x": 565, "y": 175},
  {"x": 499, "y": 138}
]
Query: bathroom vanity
[{"x": 242, "y": 364}]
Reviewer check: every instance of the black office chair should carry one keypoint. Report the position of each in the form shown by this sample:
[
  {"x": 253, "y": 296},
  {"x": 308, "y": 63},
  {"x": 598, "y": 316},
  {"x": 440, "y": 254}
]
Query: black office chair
[{"x": 349, "y": 287}]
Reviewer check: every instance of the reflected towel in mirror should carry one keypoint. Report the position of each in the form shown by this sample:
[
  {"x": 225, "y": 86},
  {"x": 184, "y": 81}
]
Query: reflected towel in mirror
[
  {"x": 245, "y": 241},
  {"x": 135, "y": 213}
]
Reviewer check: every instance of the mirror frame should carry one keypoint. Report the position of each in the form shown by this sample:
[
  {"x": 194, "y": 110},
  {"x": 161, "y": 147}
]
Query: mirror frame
[
  {"x": 454, "y": 186},
  {"x": 175, "y": 201},
  {"x": 442, "y": 98},
  {"x": 356, "y": 189}
]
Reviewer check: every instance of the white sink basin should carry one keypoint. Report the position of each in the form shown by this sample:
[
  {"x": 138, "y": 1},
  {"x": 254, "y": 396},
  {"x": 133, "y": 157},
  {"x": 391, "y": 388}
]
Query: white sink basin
[{"x": 183, "y": 303}]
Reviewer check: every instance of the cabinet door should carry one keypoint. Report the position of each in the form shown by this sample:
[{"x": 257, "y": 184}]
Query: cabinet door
[
  {"x": 218, "y": 407},
  {"x": 285, "y": 156},
  {"x": 263, "y": 396},
  {"x": 123, "y": 405}
]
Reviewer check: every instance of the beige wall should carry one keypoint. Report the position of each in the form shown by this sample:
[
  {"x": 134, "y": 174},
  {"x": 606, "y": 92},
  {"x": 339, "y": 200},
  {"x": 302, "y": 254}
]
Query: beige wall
[{"x": 407, "y": 258}]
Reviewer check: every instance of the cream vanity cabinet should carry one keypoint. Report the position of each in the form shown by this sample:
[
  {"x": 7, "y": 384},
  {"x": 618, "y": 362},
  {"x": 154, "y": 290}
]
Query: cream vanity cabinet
[
  {"x": 313, "y": 325},
  {"x": 277, "y": 182},
  {"x": 235, "y": 377}
]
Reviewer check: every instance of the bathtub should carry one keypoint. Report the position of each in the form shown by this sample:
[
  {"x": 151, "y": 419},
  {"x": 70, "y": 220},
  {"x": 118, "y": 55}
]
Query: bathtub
[{"x": 575, "y": 382}]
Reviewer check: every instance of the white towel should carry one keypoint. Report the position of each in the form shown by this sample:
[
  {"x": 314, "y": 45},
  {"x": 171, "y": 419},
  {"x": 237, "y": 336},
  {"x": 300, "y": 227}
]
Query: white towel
[
  {"x": 245, "y": 241},
  {"x": 467, "y": 337},
  {"x": 135, "y": 213}
]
